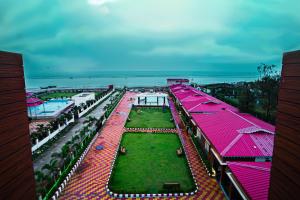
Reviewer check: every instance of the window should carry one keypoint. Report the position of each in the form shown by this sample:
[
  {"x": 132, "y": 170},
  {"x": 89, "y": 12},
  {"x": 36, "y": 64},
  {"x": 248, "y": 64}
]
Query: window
[
  {"x": 206, "y": 146},
  {"x": 199, "y": 134}
]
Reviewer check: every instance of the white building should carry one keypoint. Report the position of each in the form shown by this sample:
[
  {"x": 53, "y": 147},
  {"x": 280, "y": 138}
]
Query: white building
[
  {"x": 151, "y": 99},
  {"x": 173, "y": 81},
  {"x": 83, "y": 97}
]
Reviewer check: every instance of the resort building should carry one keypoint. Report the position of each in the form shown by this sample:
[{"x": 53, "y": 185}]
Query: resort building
[
  {"x": 83, "y": 98},
  {"x": 173, "y": 81},
  {"x": 224, "y": 134},
  {"x": 16, "y": 171},
  {"x": 247, "y": 180}
]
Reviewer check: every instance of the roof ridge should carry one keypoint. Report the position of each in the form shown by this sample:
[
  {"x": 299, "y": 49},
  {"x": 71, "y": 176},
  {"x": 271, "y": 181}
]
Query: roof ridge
[
  {"x": 233, "y": 142},
  {"x": 250, "y": 166},
  {"x": 244, "y": 119},
  {"x": 259, "y": 127},
  {"x": 208, "y": 99}
]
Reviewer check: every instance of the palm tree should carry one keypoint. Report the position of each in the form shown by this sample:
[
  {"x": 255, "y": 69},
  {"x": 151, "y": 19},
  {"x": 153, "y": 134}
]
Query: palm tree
[
  {"x": 75, "y": 148},
  {"x": 42, "y": 130},
  {"x": 82, "y": 134},
  {"x": 52, "y": 168},
  {"x": 75, "y": 139},
  {"x": 42, "y": 182},
  {"x": 34, "y": 136}
]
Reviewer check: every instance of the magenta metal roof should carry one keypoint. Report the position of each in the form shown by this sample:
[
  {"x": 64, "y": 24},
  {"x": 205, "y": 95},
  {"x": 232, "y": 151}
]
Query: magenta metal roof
[
  {"x": 236, "y": 136},
  {"x": 33, "y": 101},
  {"x": 212, "y": 106},
  {"x": 233, "y": 134},
  {"x": 197, "y": 101},
  {"x": 254, "y": 177}
]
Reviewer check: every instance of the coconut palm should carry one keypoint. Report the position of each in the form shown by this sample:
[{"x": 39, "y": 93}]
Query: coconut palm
[
  {"x": 42, "y": 182},
  {"x": 52, "y": 168},
  {"x": 75, "y": 148}
]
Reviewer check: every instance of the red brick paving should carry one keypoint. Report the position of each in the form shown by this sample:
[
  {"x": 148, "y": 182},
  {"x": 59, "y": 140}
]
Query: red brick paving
[{"x": 90, "y": 182}]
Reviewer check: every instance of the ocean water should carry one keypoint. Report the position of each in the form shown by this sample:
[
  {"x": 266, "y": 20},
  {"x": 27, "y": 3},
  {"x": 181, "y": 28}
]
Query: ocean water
[{"x": 134, "y": 78}]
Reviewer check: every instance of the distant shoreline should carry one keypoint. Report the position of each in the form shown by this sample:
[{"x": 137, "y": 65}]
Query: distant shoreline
[{"x": 130, "y": 81}]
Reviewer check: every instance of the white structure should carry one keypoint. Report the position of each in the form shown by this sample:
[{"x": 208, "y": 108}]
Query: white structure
[
  {"x": 151, "y": 99},
  {"x": 173, "y": 81},
  {"x": 83, "y": 97}
]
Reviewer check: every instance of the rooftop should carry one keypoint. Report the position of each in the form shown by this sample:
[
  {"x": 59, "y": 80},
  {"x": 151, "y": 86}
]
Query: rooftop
[
  {"x": 254, "y": 177},
  {"x": 233, "y": 134}
]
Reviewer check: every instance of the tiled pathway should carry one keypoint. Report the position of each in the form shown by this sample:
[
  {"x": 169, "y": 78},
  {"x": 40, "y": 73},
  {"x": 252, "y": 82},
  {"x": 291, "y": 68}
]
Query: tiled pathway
[
  {"x": 90, "y": 182},
  {"x": 208, "y": 187}
]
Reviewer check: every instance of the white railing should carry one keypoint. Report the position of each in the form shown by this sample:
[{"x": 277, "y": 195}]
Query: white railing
[{"x": 51, "y": 135}]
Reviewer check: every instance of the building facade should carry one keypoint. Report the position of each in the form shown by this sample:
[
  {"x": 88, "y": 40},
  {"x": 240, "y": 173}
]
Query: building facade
[
  {"x": 16, "y": 171},
  {"x": 285, "y": 171}
]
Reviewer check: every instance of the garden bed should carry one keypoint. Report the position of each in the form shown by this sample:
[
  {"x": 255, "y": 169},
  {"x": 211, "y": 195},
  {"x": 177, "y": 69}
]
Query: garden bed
[
  {"x": 150, "y": 161},
  {"x": 150, "y": 117}
]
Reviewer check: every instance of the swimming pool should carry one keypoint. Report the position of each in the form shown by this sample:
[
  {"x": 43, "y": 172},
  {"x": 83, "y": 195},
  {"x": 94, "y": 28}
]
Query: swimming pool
[{"x": 50, "y": 108}]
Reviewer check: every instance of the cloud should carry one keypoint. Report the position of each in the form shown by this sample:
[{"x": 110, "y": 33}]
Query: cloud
[
  {"x": 100, "y": 2},
  {"x": 117, "y": 34}
]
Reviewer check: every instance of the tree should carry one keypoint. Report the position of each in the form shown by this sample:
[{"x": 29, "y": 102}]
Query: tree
[
  {"x": 52, "y": 168},
  {"x": 246, "y": 98},
  {"x": 42, "y": 182},
  {"x": 268, "y": 84},
  {"x": 42, "y": 131}
]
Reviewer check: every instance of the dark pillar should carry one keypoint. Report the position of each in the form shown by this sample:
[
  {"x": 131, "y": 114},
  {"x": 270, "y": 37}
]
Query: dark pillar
[
  {"x": 285, "y": 182},
  {"x": 16, "y": 171}
]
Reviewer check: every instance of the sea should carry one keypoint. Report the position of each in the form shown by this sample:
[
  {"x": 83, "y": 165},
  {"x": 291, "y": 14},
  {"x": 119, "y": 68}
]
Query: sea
[{"x": 134, "y": 78}]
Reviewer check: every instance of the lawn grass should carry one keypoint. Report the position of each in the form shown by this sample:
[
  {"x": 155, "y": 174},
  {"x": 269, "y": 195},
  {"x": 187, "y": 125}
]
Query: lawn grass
[
  {"x": 150, "y": 118},
  {"x": 150, "y": 161},
  {"x": 46, "y": 96}
]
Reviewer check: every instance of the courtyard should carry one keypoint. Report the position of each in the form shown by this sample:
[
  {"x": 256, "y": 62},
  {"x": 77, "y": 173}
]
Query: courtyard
[
  {"x": 150, "y": 162},
  {"x": 93, "y": 180},
  {"x": 150, "y": 117}
]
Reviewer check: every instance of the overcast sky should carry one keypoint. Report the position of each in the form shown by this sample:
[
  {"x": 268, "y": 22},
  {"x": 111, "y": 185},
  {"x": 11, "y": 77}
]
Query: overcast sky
[{"x": 65, "y": 36}]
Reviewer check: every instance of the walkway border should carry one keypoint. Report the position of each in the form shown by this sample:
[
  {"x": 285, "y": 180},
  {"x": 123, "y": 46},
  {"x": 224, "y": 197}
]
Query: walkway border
[{"x": 132, "y": 195}]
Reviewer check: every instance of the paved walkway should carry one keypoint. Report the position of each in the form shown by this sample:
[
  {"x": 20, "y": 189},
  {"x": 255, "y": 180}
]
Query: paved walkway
[
  {"x": 56, "y": 147},
  {"x": 90, "y": 182},
  {"x": 208, "y": 187}
]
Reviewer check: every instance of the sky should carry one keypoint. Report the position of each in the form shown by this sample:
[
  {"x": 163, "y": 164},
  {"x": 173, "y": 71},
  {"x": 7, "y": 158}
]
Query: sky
[{"x": 89, "y": 36}]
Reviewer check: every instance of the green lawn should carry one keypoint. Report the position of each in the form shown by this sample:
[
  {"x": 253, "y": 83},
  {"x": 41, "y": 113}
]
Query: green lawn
[
  {"x": 46, "y": 96},
  {"x": 150, "y": 118},
  {"x": 151, "y": 160}
]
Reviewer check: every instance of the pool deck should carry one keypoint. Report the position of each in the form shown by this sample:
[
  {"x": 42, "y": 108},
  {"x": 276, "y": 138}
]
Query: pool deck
[{"x": 90, "y": 182}]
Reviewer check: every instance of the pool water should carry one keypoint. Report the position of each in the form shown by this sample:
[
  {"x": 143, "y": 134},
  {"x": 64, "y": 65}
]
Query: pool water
[{"x": 49, "y": 108}]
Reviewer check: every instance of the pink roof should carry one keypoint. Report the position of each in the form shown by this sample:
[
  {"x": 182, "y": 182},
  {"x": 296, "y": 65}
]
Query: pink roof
[
  {"x": 192, "y": 104},
  {"x": 232, "y": 134},
  {"x": 33, "y": 101},
  {"x": 197, "y": 101},
  {"x": 236, "y": 136},
  {"x": 212, "y": 106},
  {"x": 254, "y": 177}
]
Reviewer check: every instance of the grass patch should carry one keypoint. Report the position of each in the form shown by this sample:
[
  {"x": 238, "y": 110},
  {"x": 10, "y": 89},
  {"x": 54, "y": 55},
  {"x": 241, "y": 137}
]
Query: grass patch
[
  {"x": 150, "y": 118},
  {"x": 46, "y": 96},
  {"x": 150, "y": 161}
]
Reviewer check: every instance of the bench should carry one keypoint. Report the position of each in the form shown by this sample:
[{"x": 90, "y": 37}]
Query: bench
[{"x": 171, "y": 186}]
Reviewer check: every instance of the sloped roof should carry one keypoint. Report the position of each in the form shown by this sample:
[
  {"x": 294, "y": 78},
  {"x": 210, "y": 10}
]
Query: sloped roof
[
  {"x": 254, "y": 177},
  {"x": 235, "y": 136},
  {"x": 232, "y": 133}
]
